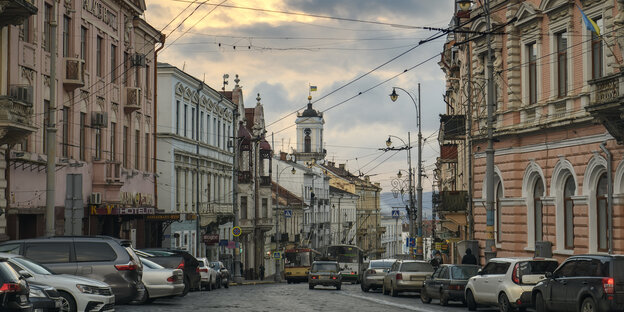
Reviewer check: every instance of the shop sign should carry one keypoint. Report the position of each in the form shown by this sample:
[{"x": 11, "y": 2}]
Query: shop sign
[
  {"x": 135, "y": 199},
  {"x": 163, "y": 217},
  {"x": 223, "y": 242},
  {"x": 116, "y": 210},
  {"x": 211, "y": 239}
]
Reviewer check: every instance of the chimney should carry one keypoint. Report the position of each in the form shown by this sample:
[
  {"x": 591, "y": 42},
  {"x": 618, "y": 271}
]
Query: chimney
[
  {"x": 341, "y": 166},
  {"x": 283, "y": 156}
]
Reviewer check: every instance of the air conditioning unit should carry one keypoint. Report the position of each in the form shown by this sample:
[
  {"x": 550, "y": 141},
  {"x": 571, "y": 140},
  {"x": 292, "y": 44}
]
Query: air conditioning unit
[
  {"x": 96, "y": 198},
  {"x": 74, "y": 73},
  {"x": 132, "y": 99},
  {"x": 21, "y": 93},
  {"x": 99, "y": 120},
  {"x": 138, "y": 59}
]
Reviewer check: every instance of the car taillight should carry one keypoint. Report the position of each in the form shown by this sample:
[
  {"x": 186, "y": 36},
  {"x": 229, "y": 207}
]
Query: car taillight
[
  {"x": 456, "y": 287},
  {"x": 399, "y": 276},
  {"x": 170, "y": 279},
  {"x": 197, "y": 270},
  {"x": 333, "y": 277},
  {"x": 181, "y": 266},
  {"x": 10, "y": 287},
  {"x": 514, "y": 274},
  {"x": 314, "y": 277},
  {"x": 202, "y": 270},
  {"x": 126, "y": 267},
  {"x": 607, "y": 284}
]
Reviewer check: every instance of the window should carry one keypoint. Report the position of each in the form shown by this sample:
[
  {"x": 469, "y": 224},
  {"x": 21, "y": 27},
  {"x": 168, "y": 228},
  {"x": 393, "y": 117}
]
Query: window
[
  {"x": 243, "y": 207},
  {"x": 601, "y": 205},
  {"x": 498, "y": 214},
  {"x": 265, "y": 208},
  {"x": 26, "y": 30},
  {"x": 94, "y": 252},
  {"x": 201, "y": 126},
  {"x": 126, "y": 61},
  {"x": 147, "y": 80},
  {"x": 177, "y": 117},
  {"x": 137, "y": 146},
  {"x": 214, "y": 131},
  {"x": 113, "y": 57},
  {"x": 193, "y": 123},
  {"x": 65, "y": 122},
  {"x": 47, "y": 17},
  {"x": 98, "y": 56},
  {"x": 224, "y": 146},
  {"x": 185, "y": 118},
  {"x": 83, "y": 134},
  {"x": 125, "y": 145},
  {"x": 562, "y": 64},
  {"x": 48, "y": 252},
  {"x": 207, "y": 128},
  {"x": 98, "y": 143},
  {"x": 532, "y": 58},
  {"x": 113, "y": 141},
  {"x": 147, "y": 152},
  {"x": 569, "y": 190},
  {"x": 538, "y": 193},
  {"x": 83, "y": 44},
  {"x": 566, "y": 269},
  {"x": 596, "y": 51},
  {"x": 66, "y": 35},
  {"x": 178, "y": 186},
  {"x": 307, "y": 144},
  {"x": 219, "y": 133},
  {"x": 137, "y": 76}
]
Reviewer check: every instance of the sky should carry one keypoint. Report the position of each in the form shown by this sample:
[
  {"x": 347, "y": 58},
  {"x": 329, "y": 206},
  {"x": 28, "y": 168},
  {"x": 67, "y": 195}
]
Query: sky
[{"x": 354, "y": 58}]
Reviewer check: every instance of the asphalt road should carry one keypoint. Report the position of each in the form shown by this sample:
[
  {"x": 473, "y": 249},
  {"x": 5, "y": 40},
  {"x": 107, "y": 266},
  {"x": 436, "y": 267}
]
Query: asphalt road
[{"x": 294, "y": 297}]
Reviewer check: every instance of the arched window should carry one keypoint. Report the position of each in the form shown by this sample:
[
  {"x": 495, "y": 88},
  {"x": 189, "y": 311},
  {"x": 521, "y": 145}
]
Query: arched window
[
  {"x": 498, "y": 214},
  {"x": 568, "y": 192},
  {"x": 601, "y": 205},
  {"x": 307, "y": 143},
  {"x": 538, "y": 193}
]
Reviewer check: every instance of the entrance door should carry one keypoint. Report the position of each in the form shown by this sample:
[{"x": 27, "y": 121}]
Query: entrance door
[{"x": 74, "y": 210}]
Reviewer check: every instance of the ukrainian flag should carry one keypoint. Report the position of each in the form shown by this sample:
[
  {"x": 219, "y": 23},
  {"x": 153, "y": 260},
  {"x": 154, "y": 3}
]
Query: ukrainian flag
[
  {"x": 589, "y": 23},
  {"x": 312, "y": 88}
]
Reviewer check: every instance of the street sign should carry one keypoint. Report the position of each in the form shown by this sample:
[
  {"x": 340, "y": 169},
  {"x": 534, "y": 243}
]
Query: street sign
[
  {"x": 236, "y": 231},
  {"x": 287, "y": 213},
  {"x": 396, "y": 214},
  {"x": 277, "y": 255},
  {"x": 410, "y": 242}
]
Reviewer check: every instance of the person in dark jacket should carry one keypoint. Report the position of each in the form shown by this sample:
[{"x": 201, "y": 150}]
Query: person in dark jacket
[
  {"x": 469, "y": 258},
  {"x": 436, "y": 261}
]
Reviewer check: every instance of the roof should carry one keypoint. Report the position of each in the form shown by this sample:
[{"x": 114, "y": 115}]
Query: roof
[
  {"x": 310, "y": 112},
  {"x": 339, "y": 191},
  {"x": 286, "y": 197}
]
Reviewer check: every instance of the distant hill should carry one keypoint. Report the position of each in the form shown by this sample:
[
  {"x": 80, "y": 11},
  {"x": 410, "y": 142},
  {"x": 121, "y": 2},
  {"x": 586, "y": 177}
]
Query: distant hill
[{"x": 388, "y": 202}]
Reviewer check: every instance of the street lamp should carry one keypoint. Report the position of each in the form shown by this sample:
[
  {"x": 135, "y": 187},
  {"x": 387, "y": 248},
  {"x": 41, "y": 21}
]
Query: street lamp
[
  {"x": 394, "y": 96},
  {"x": 277, "y": 234}
]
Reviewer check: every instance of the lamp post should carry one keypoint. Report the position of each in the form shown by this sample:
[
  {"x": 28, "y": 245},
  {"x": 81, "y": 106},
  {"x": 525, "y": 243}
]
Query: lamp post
[
  {"x": 394, "y": 96},
  {"x": 490, "y": 247},
  {"x": 278, "y": 276}
]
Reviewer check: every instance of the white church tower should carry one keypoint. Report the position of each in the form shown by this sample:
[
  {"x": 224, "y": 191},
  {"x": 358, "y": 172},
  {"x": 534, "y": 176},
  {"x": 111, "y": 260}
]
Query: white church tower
[{"x": 310, "y": 135}]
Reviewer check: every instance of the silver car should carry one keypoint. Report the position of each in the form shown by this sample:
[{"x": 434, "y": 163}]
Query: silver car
[
  {"x": 373, "y": 275},
  {"x": 406, "y": 275},
  {"x": 161, "y": 282}
]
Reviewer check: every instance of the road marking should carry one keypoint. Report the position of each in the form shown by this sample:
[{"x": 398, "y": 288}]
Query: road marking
[{"x": 398, "y": 305}]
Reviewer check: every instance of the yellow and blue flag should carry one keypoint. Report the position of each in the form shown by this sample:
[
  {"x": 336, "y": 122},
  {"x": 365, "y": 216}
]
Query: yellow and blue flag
[
  {"x": 312, "y": 88},
  {"x": 589, "y": 23}
]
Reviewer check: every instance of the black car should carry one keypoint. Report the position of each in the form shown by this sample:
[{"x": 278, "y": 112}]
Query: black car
[
  {"x": 13, "y": 290},
  {"x": 176, "y": 259},
  {"x": 583, "y": 283},
  {"x": 448, "y": 283},
  {"x": 44, "y": 298},
  {"x": 223, "y": 273}
]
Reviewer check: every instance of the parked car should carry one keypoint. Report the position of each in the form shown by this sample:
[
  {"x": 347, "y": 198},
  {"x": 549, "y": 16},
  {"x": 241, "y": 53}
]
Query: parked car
[
  {"x": 176, "y": 259},
  {"x": 325, "y": 273},
  {"x": 161, "y": 282},
  {"x": 374, "y": 273},
  {"x": 44, "y": 298},
  {"x": 209, "y": 276},
  {"x": 507, "y": 282},
  {"x": 96, "y": 257},
  {"x": 406, "y": 275},
  {"x": 448, "y": 283},
  {"x": 224, "y": 274},
  {"x": 583, "y": 283},
  {"x": 13, "y": 290},
  {"x": 76, "y": 293}
]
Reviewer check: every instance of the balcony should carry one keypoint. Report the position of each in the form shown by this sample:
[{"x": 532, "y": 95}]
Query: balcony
[
  {"x": 452, "y": 127},
  {"x": 16, "y": 114},
  {"x": 244, "y": 177},
  {"x": 132, "y": 99},
  {"x": 74, "y": 74},
  {"x": 453, "y": 201},
  {"x": 14, "y": 12},
  {"x": 607, "y": 104}
]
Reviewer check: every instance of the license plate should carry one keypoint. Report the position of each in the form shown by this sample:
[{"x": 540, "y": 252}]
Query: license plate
[{"x": 415, "y": 278}]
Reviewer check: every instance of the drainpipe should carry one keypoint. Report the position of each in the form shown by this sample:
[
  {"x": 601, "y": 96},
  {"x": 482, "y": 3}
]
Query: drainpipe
[{"x": 609, "y": 196}]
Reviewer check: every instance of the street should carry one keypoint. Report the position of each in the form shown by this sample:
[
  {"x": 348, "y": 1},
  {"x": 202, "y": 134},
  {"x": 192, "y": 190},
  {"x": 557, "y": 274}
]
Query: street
[{"x": 294, "y": 297}]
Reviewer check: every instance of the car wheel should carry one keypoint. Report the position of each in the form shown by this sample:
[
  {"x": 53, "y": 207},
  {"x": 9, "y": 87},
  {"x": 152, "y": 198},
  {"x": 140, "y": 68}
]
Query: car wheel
[
  {"x": 443, "y": 298},
  {"x": 503, "y": 303},
  {"x": 310, "y": 286},
  {"x": 540, "y": 305},
  {"x": 364, "y": 288},
  {"x": 393, "y": 291},
  {"x": 424, "y": 297},
  {"x": 227, "y": 283},
  {"x": 218, "y": 282},
  {"x": 588, "y": 305},
  {"x": 68, "y": 304},
  {"x": 210, "y": 288},
  {"x": 470, "y": 301},
  {"x": 383, "y": 289}
]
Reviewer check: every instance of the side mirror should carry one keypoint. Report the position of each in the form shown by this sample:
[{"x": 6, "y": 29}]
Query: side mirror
[
  {"x": 480, "y": 272},
  {"x": 548, "y": 275},
  {"x": 25, "y": 274}
]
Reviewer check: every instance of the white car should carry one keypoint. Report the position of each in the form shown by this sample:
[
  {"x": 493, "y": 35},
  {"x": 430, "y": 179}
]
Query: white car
[
  {"x": 507, "y": 282},
  {"x": 161, "y": 282},
  {"x": 77, "y": 293},
  {"x": 208, "y": 275}
]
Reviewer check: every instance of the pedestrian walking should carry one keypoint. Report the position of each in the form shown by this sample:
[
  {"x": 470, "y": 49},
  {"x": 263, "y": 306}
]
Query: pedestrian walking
[
  {"x": 469, "y": 258},
  {"x": 261, "y": 272}
]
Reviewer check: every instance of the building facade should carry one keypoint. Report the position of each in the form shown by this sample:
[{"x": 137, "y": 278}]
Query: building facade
[
  {"x": 104, "y": 113},
  {"x": 558, "y": 126},
  {"x": 196, "y": 160},
  {"x": 342, "y": 215}
]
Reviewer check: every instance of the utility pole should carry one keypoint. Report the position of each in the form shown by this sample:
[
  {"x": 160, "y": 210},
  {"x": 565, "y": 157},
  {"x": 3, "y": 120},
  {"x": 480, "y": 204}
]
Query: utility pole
[
  {"x": 277, "y": 236},
  {"x": 490, "y": 247},
  {"x": 236, "y": 147},
  {"x": 419, "y": 188},
  {"x": 51, "y": 132}
]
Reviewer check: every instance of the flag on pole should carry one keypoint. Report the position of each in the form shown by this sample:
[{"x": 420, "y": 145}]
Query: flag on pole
[
  {"x": 589, "y": 23},
  {"x": 312, "y": 88}
]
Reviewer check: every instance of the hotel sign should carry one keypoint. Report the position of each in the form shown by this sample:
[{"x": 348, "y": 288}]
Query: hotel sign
[{"x": 116, "y": 210}]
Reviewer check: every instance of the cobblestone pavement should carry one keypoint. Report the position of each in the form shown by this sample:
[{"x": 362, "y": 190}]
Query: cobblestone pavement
[{"x": 292, "y": 297}]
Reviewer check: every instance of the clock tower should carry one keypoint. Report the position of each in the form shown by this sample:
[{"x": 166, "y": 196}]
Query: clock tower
[{"x": 310, "y": 135}]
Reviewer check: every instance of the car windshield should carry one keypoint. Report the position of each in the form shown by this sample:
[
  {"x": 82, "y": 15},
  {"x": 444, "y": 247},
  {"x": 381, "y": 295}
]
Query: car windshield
[
  {"x": 151, "y": 264},
  {"x": 416, "y": 267},
  {"x": 381, "y": 264},
  {"x": 537, "y": 267},
  {"x": 216, "y": 265},
  {"x": 464, "y": 272},
  {"x": 324, "y": 267},
  {"x": 32, "y": 266}
]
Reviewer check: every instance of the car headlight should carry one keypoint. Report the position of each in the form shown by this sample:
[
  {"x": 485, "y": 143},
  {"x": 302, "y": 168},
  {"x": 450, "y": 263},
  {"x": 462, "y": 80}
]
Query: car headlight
[
  {"x": 38, "y": 293},
  {"x": 88, "y": 289}
]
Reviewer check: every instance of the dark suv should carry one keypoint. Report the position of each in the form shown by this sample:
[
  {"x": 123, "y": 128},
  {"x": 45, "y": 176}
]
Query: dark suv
[
  {"x": 583, "y": 283},
  {"x": 97, "y": 257},
  {"x": 13, "y": 290}
]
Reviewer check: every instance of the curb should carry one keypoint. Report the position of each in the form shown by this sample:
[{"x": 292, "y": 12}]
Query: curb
[{"x": 252, "y": 283}]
